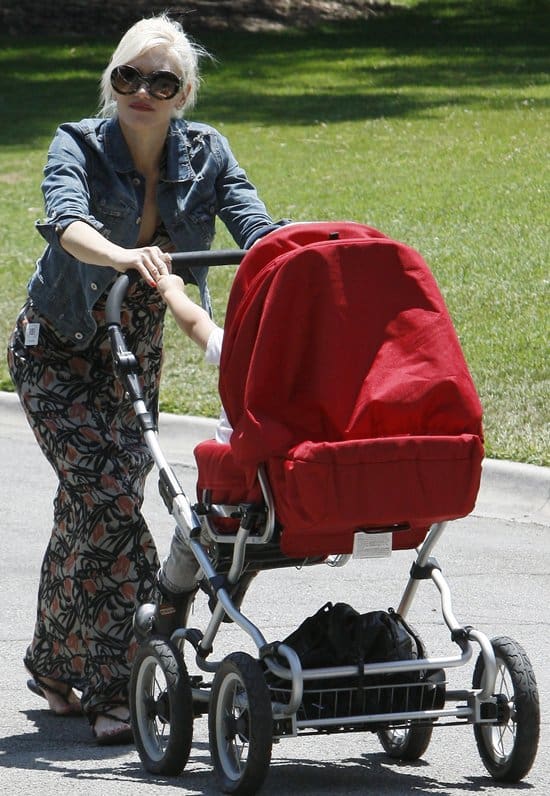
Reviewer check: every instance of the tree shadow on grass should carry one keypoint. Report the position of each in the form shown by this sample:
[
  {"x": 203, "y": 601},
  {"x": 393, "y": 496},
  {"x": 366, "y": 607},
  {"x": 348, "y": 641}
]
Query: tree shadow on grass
[{"x": 406, "y": 63}]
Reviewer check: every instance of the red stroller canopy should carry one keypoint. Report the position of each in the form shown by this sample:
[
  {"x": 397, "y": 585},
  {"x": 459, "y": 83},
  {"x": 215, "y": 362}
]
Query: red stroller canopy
[{"x": 342, "y": 372}]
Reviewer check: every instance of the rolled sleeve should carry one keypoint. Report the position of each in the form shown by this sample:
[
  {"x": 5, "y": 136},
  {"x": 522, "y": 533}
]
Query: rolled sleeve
[
  {"x": 52, "y": 228},
  {"x": 65, "y": 187}
]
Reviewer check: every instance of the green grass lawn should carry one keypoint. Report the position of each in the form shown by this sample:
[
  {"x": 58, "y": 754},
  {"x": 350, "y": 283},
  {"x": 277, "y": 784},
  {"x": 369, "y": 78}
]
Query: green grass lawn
[{"x": 430, "y": 123}]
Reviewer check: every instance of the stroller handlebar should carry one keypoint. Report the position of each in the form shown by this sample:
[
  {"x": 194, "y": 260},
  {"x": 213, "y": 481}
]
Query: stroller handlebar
[
  {"x": 208, "y": 258},
  {"x": 180, "y": 260}
]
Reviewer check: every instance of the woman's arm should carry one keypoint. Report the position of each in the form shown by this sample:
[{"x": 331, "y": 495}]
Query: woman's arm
[
  {"x": 89, "y": 246},
  {"x": 239, "y": 205},
  {"x": 71, "y": 224}
]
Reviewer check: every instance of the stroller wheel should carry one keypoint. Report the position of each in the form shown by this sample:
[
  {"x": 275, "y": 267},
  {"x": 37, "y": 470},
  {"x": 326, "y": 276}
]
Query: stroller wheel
[
  {"x": 408, "y": 742},
  {"x": 161, "y": 706},
  {"x": 508, "y": 747},
  {"x": 240, "y": 725}
]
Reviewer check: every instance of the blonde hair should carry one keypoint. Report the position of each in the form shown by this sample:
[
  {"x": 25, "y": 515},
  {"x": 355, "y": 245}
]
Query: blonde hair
[{"x": 158, "y": 31}]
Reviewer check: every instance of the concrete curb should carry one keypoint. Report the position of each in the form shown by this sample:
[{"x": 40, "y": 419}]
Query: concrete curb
[
  {"x": 509, "y": 490},
  {"x": 514, "y": 491}
]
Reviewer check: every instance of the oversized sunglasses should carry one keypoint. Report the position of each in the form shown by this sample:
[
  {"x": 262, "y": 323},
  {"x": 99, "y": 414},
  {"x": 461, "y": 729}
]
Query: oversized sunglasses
[{"x": 162, "y": 85}]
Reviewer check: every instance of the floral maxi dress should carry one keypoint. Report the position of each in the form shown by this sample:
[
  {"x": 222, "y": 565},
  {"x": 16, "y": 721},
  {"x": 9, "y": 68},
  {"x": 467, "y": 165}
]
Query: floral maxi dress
[{"x": 101, "y": 559}]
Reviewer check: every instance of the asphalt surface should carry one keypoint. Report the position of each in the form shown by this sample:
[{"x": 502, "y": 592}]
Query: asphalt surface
[{"x": 497, "y": 562}]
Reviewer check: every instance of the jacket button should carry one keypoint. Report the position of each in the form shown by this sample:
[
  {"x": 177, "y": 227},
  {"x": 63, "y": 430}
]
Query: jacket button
[
  {"x": 78, "y": 335},
  {"x": 136, "y": 181},
  {"x": 93, "y": 285}
]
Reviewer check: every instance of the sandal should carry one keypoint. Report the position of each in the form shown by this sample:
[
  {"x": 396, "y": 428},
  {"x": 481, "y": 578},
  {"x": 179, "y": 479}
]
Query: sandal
[
  {"x": 122, "y": 734},
  {"x": 41, "y": 688}
]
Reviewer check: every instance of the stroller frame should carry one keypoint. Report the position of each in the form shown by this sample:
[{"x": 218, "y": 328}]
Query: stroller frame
[{"x": 163, "y": 715}]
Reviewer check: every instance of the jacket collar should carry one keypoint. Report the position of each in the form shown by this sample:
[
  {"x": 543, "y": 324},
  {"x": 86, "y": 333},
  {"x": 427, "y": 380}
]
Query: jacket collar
[{"x": 177, "y": 164}]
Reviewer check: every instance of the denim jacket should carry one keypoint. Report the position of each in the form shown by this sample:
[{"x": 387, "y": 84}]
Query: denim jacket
[{"x": 90, "y": 176}]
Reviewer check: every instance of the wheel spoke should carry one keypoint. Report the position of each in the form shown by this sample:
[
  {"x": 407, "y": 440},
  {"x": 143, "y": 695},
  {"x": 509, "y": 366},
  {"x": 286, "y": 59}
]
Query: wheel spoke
[
  {"x": 240, "y": 749},
  {"x": 156, "y": 686},
  {"x": 235, "y": 722}
]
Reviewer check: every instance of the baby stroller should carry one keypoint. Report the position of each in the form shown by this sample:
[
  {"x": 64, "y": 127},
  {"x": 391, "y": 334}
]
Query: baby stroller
[{"x": 356, "y": 432}]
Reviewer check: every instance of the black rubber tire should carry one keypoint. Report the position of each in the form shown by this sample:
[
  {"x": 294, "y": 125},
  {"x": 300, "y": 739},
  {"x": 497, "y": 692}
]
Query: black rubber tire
[
  {"x": 508, "y": 748},
  {"x": 161, "y": 706},
  {"x": 408, "y": 742},
  {"x": 240, "y": 725}
]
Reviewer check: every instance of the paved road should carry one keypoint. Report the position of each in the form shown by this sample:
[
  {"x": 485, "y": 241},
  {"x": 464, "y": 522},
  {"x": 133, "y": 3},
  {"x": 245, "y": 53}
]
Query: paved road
[{"x": 497, "y": 562}]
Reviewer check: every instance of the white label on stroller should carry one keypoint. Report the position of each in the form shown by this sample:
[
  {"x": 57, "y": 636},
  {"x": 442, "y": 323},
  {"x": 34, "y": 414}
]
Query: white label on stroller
[
  {"x": 32, "y": 332},
  {"x": 371, "y": 545}
]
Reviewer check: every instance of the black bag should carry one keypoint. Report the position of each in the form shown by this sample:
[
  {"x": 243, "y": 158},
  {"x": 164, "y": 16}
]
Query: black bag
[{"x": 337, "y": 635}]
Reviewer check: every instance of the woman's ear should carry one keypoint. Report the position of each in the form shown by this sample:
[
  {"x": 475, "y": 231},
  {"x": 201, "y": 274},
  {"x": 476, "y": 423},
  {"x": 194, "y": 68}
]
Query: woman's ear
[{"x": 184, "y": 95}]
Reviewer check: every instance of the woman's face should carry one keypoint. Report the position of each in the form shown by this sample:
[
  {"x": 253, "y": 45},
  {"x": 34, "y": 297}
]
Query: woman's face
[{"x": 141, "y": 110}]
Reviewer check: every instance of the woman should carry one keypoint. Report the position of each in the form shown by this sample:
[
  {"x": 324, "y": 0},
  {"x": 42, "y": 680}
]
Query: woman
[{"x": 120, "y": 192}]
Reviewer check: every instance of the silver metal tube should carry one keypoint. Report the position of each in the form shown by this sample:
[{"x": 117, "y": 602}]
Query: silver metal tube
[
  {"x": 389, "y": 667},
  {"x": 491, "y": 669},
  {"x": 268, "y": 498},
  {"x": 461, "y": 713},
  {"x": 225, "y": 601},
  {"x": 446, "y": 601},
  {"x": 425, "y": 549},
  {"x": 239, "y": 554},
  {"x": 269, "y": 524},
  {"x": 422, "y": 555},
  {"x": 295, "y": 676},
  {"x": 153, "y": 444}
]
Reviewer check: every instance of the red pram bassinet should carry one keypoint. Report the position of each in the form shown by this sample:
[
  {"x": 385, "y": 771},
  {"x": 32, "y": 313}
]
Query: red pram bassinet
[{"x": 341, "y": 372}]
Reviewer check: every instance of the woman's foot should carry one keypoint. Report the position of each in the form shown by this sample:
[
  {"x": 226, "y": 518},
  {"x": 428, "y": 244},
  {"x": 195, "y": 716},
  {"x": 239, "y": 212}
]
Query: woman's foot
[
  {"x": 60, "y": 697},
  {"x": 113, "y": 727}
]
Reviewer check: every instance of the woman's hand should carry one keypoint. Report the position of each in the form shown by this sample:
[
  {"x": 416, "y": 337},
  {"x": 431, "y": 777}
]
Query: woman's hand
[{"x": 150, "y": 261}]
